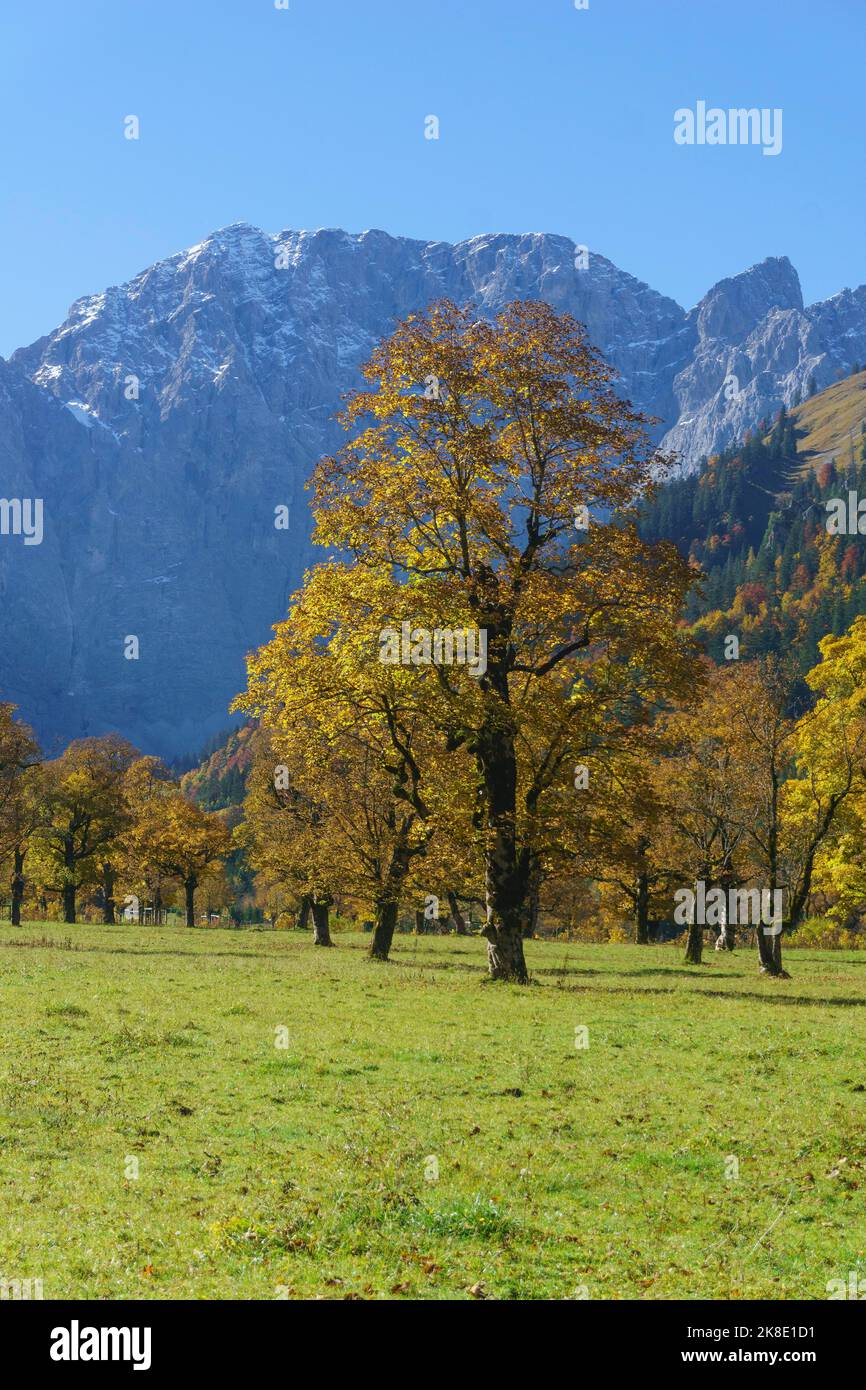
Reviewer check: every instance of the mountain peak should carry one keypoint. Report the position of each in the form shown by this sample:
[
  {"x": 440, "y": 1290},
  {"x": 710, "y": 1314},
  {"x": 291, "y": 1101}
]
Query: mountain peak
[{"x": 738, "y": 303}]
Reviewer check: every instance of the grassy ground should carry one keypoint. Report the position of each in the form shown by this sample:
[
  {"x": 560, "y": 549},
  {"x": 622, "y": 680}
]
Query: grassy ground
[{"x": 309, "y": 1170}]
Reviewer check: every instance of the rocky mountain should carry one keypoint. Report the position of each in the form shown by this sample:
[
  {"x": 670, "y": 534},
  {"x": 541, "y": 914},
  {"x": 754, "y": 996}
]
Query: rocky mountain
[{"x": 164, "y": 422}]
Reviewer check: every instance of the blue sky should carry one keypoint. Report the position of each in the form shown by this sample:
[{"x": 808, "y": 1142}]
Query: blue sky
[{"x": 551, "y": 119}]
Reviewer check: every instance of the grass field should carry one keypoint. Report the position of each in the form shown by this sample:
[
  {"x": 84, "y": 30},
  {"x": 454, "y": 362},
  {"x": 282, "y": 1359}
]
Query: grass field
[{"x": 307, "y": 1170}]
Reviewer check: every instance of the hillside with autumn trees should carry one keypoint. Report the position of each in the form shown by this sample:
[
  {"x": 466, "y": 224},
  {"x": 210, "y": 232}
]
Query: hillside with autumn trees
[{"x": 753, "y": 520}]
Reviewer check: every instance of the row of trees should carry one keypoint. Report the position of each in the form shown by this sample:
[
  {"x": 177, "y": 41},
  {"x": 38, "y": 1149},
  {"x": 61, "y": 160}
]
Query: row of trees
[
  {"x": 98, "y": 821},
  {"x": 733, "y": 789},
  {"x": 738, "y": 791},
  {"x": 493, "y": 482}
]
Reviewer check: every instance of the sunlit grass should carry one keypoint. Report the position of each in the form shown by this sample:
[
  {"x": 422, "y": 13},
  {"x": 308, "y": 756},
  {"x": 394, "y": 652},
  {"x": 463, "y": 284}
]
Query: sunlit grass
[{"x": 424, "y": 1132}]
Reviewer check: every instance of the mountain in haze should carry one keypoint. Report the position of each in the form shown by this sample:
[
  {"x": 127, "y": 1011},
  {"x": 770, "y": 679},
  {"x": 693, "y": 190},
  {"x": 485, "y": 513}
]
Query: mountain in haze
[{"x": 167, "y": 418}]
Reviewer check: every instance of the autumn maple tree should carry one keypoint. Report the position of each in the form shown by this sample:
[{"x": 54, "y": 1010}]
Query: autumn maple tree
[
  {"x": 178, "y": 840},
  {"x": 84, "y": 814},
  {"x": 490, "y": 479}
]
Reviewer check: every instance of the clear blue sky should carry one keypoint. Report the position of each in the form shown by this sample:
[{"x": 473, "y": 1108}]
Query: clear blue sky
[{"x": 552, "y": 119}]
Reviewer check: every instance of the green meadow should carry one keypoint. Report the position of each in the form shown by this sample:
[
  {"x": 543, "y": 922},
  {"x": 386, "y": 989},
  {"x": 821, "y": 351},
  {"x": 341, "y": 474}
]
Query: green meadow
[{"x": 235, "y": 1114}]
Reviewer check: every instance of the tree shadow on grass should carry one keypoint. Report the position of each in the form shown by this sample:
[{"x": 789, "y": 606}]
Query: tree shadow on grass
[
  {"x": 810, "y": 1001},
  {"x": 689, "y": 972},
  {"x": 414, "y": 964},
  {"x": 143, "y": 954}
]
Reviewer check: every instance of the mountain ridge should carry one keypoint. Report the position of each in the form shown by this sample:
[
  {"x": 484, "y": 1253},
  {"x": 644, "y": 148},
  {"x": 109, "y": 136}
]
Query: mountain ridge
[{"x": 167, "y": 418}]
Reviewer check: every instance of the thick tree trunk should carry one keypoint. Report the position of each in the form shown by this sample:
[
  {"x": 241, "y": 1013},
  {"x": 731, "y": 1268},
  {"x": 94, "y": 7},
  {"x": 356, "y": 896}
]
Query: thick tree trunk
[
  {"x": 108, "y": 916},
  {"x": 321, "y": 924},
  {"x": 695, "y": 944},
  {"x": 388, "y": 903},
  {"x": 506, "y": 883},
  {"x": 459, "y": 920},
  {"x": 505, "y": 958},
  {"x": 189, "y": 886},
  {"x": 770, "y": 954},
  {"x": 17, "y": 887},
  {"x": 304, "y": 913},
  {"x": 383, "y": 931}
]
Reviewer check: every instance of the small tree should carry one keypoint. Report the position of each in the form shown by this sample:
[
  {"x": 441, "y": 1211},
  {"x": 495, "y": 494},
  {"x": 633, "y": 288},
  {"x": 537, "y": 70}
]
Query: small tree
[
  {"x": 282, "y": 836},
  {"x": 184, "y": 843},
  {"x": 84, "y": 813},
  {"x": 791, "y": 777}
]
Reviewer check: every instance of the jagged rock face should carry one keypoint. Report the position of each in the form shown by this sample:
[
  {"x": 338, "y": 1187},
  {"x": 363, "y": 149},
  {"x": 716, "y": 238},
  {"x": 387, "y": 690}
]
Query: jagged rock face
[
  {"x": 757, "y": 348},
  {"x": 160, "y": 492}
]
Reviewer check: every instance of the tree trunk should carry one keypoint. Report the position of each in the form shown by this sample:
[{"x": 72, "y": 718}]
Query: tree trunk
[
  {"x": 321, "y": 924},
  {"x": 383, "y": 931},
  {"x": 459, "y": 920},
  {"x": 694, "y": 944},
  {"x": 505, "y": 958},
  {"x": 530, "y": 922},
  {"x": 69, "y": 882},
  {"x": 695, "y": 938},
  {"x": 728, "y": 932},
  {"x": 190, "y": 884},
  {"x": 420, "y": 922},
  {"x": 388, "y": 901},
  {"x": 506, "y": 874},
  {"x": 304, "y": 913},
  {"x": 108, "y": 916},
  {"x": 642, "y": 911},
  {"x": 770, "y": 954},
  {"x": 17, "y": 887},
  {"x": 69, "y": 902},
  {"x": 770, "y": 947}
]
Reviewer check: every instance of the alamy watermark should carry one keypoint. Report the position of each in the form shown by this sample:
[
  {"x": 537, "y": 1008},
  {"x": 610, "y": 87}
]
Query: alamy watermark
[
  {"x": 18, "y": 1289},
  {"x": 852, "y": 1287},
  {"x": 736, "y": 126},
  {"x": 22, "y": 516},
  {"x": 737, "y": 906},
  {"x": 443, "y": 646},
  {"x": 846, "y": 517}
]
